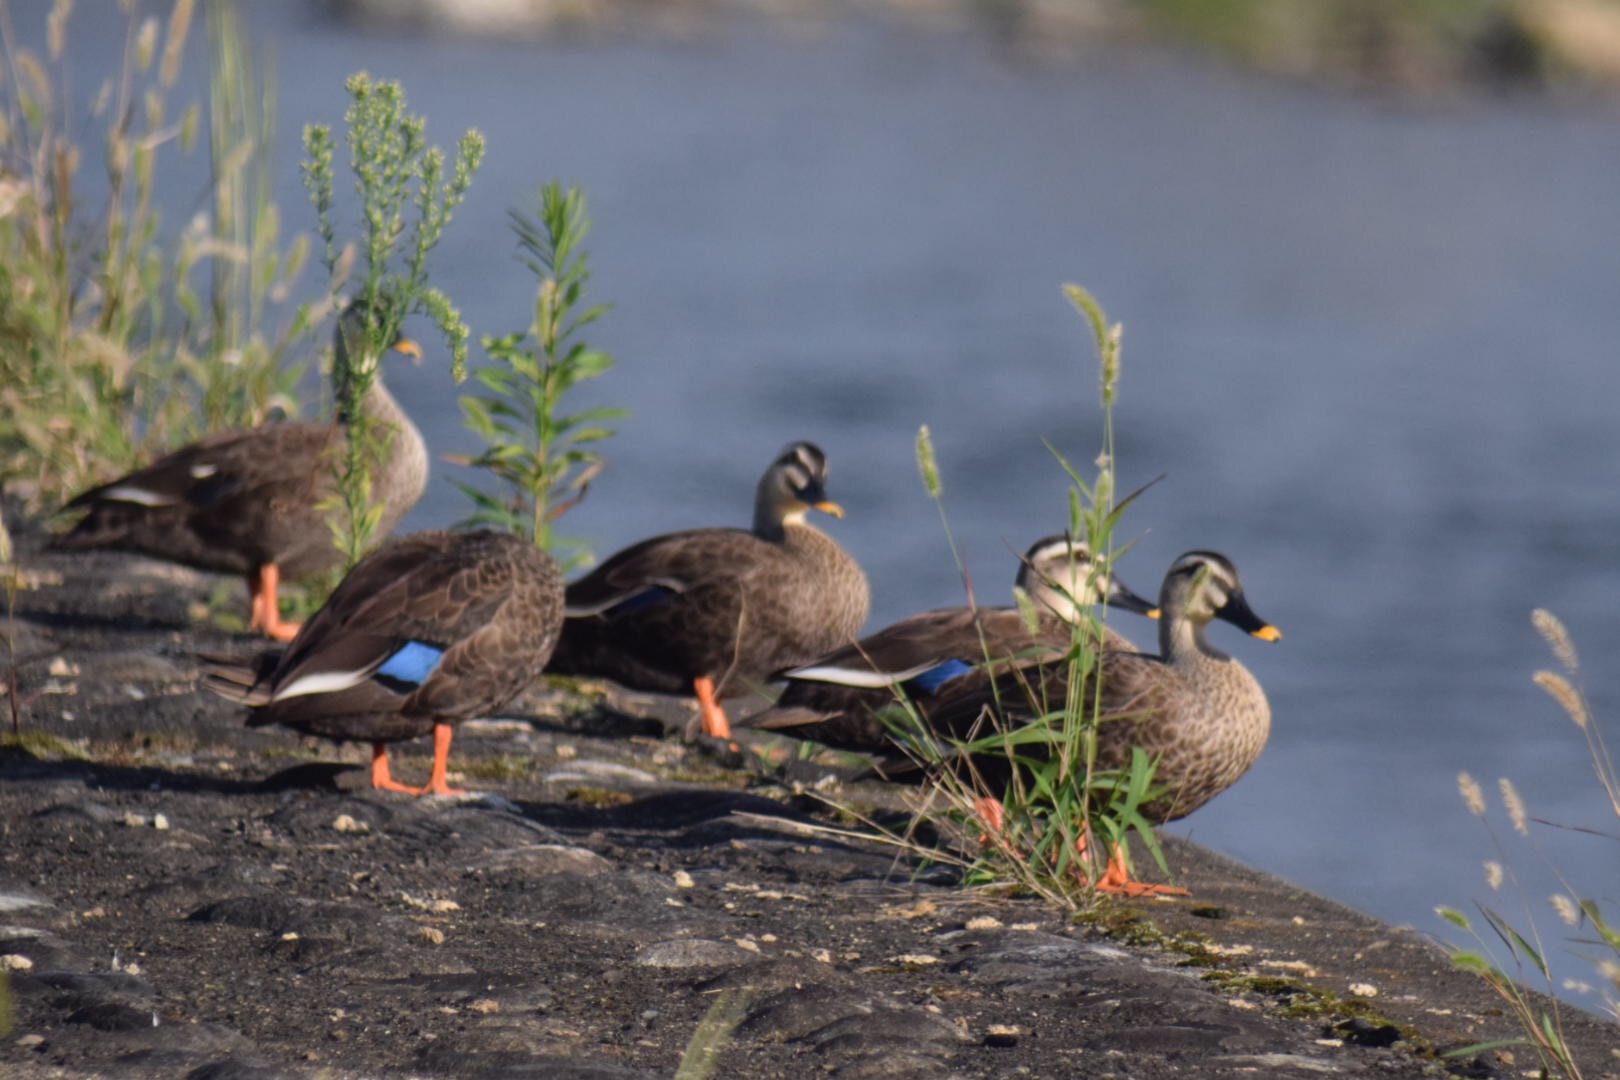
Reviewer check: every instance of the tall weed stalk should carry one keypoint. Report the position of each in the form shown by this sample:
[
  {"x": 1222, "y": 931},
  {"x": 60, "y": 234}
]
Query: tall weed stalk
[
  {"x": 1056, "y": 813},
  {"x": 110, "y": 348},
  {"x": 542, "y": 458},
  {"x": 406, "y": 200}
]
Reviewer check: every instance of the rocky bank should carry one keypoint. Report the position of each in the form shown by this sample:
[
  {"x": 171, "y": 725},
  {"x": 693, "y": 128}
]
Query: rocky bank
[{"x": 183, "y": 897}]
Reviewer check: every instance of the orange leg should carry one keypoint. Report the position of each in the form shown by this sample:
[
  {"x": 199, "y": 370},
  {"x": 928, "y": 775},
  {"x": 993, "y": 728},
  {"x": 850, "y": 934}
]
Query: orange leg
[
  {"x": 436, "y": 785},
  {"x": 1116, "y": 877},
  {"x": 714, "y": 717},
  {"x": 989, "y": 812},
  {"x": 380, "y": 777},
  {"x": 266, "y": 607}
]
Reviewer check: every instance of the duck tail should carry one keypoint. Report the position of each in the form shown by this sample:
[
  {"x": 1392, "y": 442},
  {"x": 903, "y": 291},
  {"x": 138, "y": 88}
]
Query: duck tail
[{"x": 239, "y": 679}]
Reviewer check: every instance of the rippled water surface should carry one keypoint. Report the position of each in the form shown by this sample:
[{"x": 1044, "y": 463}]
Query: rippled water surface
[{"x": 1371, "y": 346}]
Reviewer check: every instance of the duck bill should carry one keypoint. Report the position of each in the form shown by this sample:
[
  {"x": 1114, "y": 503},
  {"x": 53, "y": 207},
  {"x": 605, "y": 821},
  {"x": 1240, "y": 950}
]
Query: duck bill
[
  {"x": 1239, "y": 614},
  {"x": 408, "y": 347},
  {"x": 827, "y": 506},
  {"x": 1121, "y": 597}
]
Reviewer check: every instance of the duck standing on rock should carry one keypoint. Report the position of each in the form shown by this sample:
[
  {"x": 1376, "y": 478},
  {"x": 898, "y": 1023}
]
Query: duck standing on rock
[
  {"x": 1195, "y": 710},
  {"x": 940, "y": 655},
  {"x": 708, "y": 610},
  {"x": 430, "y": 629},
  {"x": 250, "y": 502}
]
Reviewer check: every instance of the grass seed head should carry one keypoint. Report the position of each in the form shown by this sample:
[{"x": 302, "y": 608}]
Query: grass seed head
[
  {"x": 1558, "y": 640},
  {"x": 1514, "y": 806},
  {"x": 1471, "y": 794},
  {"x": 1566, "y": 909},
  {"x": 1561, "y": 691}
]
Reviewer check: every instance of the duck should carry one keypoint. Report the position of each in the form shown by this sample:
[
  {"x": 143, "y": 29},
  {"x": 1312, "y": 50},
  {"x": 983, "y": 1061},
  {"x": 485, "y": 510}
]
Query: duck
[
  {"x": 255, "y": 502},
  {"x": 839, "y": 699},
  {"x": 708, "y": 611},
  {"x": 428, "y": 630},
  {"x": 1194, "y": 709}
]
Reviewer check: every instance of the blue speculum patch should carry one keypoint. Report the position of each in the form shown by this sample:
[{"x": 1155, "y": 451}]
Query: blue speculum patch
[
  {"x": 412, "y": 664},
  {"x": 935, "y": 677}
]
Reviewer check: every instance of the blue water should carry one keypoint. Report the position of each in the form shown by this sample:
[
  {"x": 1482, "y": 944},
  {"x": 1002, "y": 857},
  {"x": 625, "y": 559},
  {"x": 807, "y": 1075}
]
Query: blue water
[{"x": 1371, "y": 345}]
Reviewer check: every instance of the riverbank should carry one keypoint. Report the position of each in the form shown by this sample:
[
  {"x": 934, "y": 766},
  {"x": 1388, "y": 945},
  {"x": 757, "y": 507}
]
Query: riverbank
[
  {"x": 185, "y": 897},
  {"x": 1405, "y": 48}
]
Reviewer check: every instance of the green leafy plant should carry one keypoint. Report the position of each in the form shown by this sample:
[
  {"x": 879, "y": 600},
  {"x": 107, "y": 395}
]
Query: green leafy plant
[
  {"x": 1540, "y": 1019},
  {"x": 395, "y": 172},
  {"x": 541, "y": 457},
  {"x": 110, "y": 348},
  {"x": 1049, "y": 820}
]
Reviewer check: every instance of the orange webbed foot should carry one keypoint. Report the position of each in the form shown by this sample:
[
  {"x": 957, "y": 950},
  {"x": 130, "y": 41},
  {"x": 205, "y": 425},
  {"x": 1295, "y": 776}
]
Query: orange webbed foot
[
  {"x": 1117, "y": 881},
  {"x": 383, "y": 780}
]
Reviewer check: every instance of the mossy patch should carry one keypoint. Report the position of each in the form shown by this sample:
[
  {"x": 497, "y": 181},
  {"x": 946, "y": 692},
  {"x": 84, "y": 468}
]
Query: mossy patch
[
  {"x": 603, "y": 797},
  {"x": 40, "y": 746}
]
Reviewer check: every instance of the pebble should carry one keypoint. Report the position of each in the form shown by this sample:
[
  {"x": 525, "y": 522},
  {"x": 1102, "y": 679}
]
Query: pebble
[{"x": 1002, "y": 1035}]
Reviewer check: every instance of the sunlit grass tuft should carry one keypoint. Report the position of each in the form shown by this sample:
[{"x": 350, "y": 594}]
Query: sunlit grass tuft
[
  {"x": 120, "y": 338},
  {"x": 1023, "y": 802},
  {"x": 1541, "y": 1020}
]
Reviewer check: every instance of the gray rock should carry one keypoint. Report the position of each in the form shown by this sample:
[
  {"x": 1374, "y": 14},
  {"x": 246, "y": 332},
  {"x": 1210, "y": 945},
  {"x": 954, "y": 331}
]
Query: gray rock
[{"x": 692, "y": 953}]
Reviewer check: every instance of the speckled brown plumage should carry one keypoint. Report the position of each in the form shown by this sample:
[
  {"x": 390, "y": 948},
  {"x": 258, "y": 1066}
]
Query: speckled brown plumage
[
  {"x": 488, "y": 604},
  {"x": 730, "y": 606},
  {"x": 1196, "y": 709},
  {"x": 241, "y": 501},
  {"x": 838, "y": 698}
]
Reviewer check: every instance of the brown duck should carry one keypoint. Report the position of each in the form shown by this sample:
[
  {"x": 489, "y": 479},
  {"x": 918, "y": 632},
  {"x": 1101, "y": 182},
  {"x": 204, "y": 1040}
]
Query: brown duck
[
  {"x": 1192, "y": 707},
  {"x": 430, "y": 629},
  {"x": 248, "y": 502},
  {"x": 711, "y": 610},
  {"x": 940, "y": 655}
]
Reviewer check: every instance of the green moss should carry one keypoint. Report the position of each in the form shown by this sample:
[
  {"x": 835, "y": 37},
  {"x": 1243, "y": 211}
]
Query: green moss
[
  {"x": 43, "y": 747},
  {"x": 600, "y": 797},
  {"x": 1296, "y": 999},
  {"x": 1129, "y": 926}
]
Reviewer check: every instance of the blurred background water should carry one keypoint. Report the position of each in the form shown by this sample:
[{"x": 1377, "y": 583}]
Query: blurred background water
[{"x": 1371, "y": 346}]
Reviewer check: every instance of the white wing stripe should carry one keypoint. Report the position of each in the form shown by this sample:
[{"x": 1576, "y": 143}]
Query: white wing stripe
[
  {"x": 863, "y": 677},
  {"x": 322, "y": 682},
  {"x": 131, "y": 494}
]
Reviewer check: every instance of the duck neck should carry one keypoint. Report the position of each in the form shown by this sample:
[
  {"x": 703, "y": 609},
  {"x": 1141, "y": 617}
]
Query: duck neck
[
  {"x": 1182, "y": 642},
  {"x": 771, "y": 518},
  {"x": 396, "y": 444},
  {"x": 379, "y": 405}
]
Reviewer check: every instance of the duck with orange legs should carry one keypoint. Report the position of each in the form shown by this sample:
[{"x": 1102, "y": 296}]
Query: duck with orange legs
[{"x": 431, "y": 629}]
